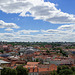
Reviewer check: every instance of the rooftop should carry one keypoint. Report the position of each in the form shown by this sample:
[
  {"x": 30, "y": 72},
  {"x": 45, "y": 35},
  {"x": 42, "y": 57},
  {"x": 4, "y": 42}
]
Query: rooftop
[{"x": 3, "y": 62}]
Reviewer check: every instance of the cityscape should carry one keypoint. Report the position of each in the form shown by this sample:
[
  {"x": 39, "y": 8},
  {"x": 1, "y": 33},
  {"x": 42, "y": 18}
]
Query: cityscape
[
  {"x": 37, "y": 37},
  {"x": 39, "y": 58}
]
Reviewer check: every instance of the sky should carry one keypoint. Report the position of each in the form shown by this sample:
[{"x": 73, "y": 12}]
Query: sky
[{"x": 37, "y": 20}]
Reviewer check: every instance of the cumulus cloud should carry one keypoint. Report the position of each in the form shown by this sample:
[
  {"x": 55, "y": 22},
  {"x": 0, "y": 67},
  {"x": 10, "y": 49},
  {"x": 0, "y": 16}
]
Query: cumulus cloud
[
  {"x": 39, "y": 9},
  {"x": 50, "y": 35},
  {"x": 67, "y": 27},
  {"x": 15, "y": 6},
  {"x": 43, "y": 37},
  {"x": 48, "y": 11},
  {"x": 6, "y": 35},
  {"x": 7, "y": 25}
]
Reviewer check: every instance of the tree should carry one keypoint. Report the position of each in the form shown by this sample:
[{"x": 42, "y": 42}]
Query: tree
[
  {"x": 14, "y": 72},
  {"x": 73, "y": 69},
  {"x": 47, "y": 51},
  {"x": 53, "y": 73},
  {"x": 8, "y": 71},
  {"x": 37, "y": 60},
  {"x": 1, "y": 51},
  {"x": 61, "y": 51},
  {"x": 3, "y": 72},
  {"x": 66, "y": 72},
  {"x": 65, "y": 67},
  {"x": 21, "y": 70},
  {"x": 58, "y": 69}
]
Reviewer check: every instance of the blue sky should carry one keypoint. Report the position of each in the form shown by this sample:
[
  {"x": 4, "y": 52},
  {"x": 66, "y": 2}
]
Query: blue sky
[{"x": 37, "y": 20}]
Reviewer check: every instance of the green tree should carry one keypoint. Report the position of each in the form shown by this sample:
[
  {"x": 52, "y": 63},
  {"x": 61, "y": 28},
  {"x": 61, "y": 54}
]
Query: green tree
[
  {"x": 13, "y": 72},
  {"x": 66, "y": 72},
  {"x": 21, "y": 70},
  {"x": 1, "y": 51},
  {"x": 8, "y": 71},
  {"x": 65, "y": 67},
  {"x": 73, "y": 69},
  {"x": 53, "y": 73},
  {"x": 73, "y": 73},
  {"x": 61, "y": 51},
  {"x": 47, "y": 51},
  {"x": 58, "y": 69},
  {"x": 3, "y": 72},
  {"x": 37, "y": 60}
]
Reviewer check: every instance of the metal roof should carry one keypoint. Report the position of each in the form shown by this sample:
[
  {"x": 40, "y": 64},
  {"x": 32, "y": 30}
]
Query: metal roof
[{"x": 3, "y": 62}]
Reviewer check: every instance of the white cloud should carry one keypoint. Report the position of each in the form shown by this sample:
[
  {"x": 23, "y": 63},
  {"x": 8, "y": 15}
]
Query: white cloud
[
  {"x": 6, "y": 35},
  {"x": 50, "y": 35},
  {"x": 50, "y": 31},
  {"x": 27, "y": 31},
  {"x": 39, "y": 9},
  {"x": 44, "y": 37},
  {"x": 5, "y": 1},
  {"x": 16, "y": 6},
  {"x": 7, "y": 25},
  {"x": 8, "y": 29},
  {"x": 67, "y": 27}
]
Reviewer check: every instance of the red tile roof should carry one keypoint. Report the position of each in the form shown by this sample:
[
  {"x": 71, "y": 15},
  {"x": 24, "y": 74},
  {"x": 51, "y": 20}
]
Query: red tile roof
[
  {"x": 32, "y": 63},
  {"x": 31, "y": 68},
  {"x": 53, "y": 67},
  {"x": 41, "y": 68}
]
